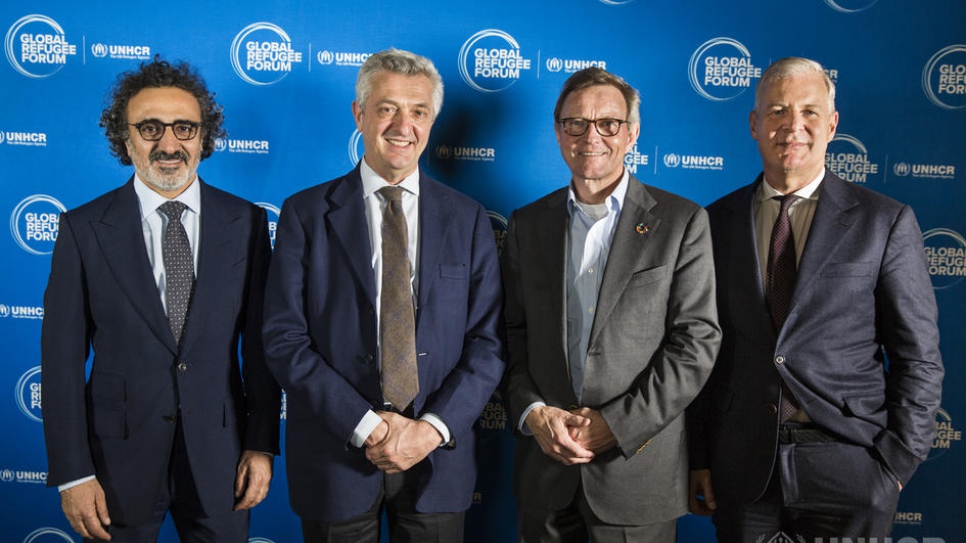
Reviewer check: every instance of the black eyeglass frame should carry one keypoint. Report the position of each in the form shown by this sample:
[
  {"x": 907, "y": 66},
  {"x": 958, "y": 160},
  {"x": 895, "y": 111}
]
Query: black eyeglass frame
[
  {"x": 597, "y": 126},
  {"x": 194, "y": 126}
]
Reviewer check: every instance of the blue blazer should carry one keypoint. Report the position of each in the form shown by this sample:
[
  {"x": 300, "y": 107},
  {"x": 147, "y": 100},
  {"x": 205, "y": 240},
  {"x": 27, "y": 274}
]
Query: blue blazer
[
  {"x": 320, "y": 339},
  {"x": 859, "y": 350},
  {"x": 120, "y": 423}
]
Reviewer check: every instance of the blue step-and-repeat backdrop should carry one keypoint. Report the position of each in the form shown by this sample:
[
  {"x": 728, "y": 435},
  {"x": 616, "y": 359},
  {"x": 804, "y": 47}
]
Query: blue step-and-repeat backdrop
[{"x": 285, "y": 71}]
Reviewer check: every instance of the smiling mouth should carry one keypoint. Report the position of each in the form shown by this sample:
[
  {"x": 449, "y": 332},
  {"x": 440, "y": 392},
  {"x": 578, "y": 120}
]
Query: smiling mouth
[{"x": 398, "y": 143}]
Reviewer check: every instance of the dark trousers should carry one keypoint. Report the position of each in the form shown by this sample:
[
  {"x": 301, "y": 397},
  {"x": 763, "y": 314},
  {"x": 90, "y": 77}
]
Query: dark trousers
[
  {"x": 818, "y": 491},
  {"x": 406, "y": 525},
  {"x": 180, "y": 498},
  {"x": 577, "y": 523}
]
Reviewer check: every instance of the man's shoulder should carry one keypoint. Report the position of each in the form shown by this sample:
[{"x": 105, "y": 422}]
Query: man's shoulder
[
  {"x": 543, "y": 204},
  {"x": 224, "y": 198},
  {"x": 95, "y": 208}
]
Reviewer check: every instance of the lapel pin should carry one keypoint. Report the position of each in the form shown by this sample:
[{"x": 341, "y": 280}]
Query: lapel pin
[{"x": 641, "y": 228}]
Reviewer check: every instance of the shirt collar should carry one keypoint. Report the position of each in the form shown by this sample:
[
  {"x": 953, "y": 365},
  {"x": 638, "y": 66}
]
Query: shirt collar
[
  {"x": 150, "y": 200},
  {"x": 371, "y": 181},
  {"x": 767, "y": 192},
  {"x": 613, "y": 202}
]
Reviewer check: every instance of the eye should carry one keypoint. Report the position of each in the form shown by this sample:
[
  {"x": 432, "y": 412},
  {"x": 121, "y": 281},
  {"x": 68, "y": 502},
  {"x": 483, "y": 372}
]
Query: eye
[
  {"x": 183, "y": 129},
  {"x": 149, "y": 128}
]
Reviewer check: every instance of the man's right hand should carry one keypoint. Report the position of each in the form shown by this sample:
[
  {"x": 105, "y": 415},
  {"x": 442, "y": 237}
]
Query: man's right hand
[
  {"x": 702, "y": 495},
  {"x": 551, "y": 428},
  {"x": 86, "y": 509}
]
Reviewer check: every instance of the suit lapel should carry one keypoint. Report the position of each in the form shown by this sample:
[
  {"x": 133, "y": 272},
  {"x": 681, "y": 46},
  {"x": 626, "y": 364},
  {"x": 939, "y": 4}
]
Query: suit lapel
[
  {"x": 635, "y": 228},
  {"x": 120, "y": 236},
  {"x": 217, "y": 253},
  {"x": 434, "y": 225},
  {"x": 829, "y": 225},
  {"x": 550, "y": 254},
  {"x": 347, "y": 219},
  {"x": 746, "y": 292}
]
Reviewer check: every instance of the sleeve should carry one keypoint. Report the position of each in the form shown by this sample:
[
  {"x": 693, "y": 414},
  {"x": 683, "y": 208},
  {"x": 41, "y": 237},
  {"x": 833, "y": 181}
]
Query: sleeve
[
  {"x": 907, "y": 327},
  {"x": 263, "y": 395},
  {"x": 65, "y": 346},
  {"x": 679, "y": 368}
]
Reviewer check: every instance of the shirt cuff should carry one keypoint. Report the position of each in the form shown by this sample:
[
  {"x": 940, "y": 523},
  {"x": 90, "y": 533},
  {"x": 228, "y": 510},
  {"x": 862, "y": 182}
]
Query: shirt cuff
[
  {"x": 522, "y": 424},
  {"x": 72, "y": 484},
  {"x": 364, "y": 428},
  {"x": 440, "y": 426}
]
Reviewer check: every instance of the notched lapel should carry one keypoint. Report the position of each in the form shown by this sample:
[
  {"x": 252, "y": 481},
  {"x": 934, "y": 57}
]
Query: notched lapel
[
  {"x": 121, "y": 240},
  {"x": 635, "y": 229},
  {"x": 347, "y": 219},
  {"x": 218, "y": 252},
  {"x": 833, "y": 219},
  {"x": 435, "y": 217}
]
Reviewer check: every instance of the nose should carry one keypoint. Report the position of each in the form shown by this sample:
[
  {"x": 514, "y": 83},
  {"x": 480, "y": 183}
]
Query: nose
[
  {"x": 168, "y": 142},
  {"x": 796, "y": 121}
]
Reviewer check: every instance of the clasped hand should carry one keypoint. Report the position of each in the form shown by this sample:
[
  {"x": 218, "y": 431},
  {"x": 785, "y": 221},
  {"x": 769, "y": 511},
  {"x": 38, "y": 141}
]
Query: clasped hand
[
  {"x": 399, "y": 443},
  {"x": 570, "y": 437}
]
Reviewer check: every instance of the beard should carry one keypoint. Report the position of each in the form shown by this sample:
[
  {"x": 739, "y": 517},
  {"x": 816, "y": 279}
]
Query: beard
[{"x": 166, "y": 179}]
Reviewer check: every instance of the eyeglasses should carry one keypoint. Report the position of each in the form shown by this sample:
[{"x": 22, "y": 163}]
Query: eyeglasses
[
  {"x": 152, "y": 130},
  {"x": 575, "y": 126}
]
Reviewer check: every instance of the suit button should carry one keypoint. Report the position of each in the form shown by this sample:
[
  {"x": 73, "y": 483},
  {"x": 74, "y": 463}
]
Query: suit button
[
  {"x": 182, "y": 366},
  {"x": 368, "y": 358},
  {"x": 168, "y": 418},
  {"x": 779, "y": 359},
  {"x": 772, "y": 409}
]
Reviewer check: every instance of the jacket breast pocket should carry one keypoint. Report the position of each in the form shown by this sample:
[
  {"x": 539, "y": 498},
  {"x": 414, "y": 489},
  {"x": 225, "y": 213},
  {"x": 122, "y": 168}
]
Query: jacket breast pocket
[
  {"x": 454, "y": 271},
  {"x": 849, "y": 269},
  {"x": 644, "y": 277}
]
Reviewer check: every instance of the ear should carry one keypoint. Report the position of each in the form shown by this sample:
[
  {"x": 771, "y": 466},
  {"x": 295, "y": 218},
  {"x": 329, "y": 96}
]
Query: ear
[
  {"x": 833, "y": 124},
  {"x": 753, "y": 124},
  {"x": 357, "y": 115}
]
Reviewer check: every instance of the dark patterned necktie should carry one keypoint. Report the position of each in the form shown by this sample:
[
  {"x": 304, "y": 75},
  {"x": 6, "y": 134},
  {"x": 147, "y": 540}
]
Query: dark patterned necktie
[
  {"x": 400, "y": 380},
  {"x": 179, "y": 269},
  {"x": 780, "y": 282}
]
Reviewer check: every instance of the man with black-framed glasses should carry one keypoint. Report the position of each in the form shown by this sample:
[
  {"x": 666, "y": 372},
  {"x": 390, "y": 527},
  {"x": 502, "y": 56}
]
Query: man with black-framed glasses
[
  {"x": 612, "y": 331},
  {"x": 164, "y": 279}
]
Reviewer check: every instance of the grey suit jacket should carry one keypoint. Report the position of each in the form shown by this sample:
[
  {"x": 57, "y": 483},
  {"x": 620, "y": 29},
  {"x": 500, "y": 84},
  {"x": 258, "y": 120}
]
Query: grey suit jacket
[{"x": 652, "y": 346}]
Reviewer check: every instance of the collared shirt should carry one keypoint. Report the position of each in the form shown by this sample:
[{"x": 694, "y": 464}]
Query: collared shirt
[
  {"x": 588, "y": 246},
  {"x": 153, "y": 223},
  {"x": 375, "y": 204},
  {"x": 800, "y": 216}
]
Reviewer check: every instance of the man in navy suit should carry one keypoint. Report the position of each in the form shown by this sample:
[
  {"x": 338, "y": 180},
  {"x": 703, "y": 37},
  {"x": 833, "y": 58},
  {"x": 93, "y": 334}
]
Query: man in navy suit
[
  {"x": 354, "y": 447},
  {"x": 167, "y": 420},
  {"x": 823, "y": 398}
]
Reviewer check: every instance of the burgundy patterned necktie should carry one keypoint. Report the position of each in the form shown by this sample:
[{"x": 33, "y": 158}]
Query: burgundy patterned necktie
[
  {"x": 179, "y": 267},
  {"x": 780, "y": 282},
  {"x": 400, "y": 379}
]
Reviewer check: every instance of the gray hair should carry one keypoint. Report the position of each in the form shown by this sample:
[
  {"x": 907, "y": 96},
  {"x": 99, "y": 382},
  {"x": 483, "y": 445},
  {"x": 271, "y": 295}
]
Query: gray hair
[
  {"x": 789, "y": 66},
  {"x": 400, "y": 62}
]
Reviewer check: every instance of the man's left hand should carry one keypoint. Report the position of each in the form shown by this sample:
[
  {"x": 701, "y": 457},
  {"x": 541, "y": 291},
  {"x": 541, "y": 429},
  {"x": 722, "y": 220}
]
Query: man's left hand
[
  {"x": 596, "y": 436},
  {"x": 253, "y": 479},
  {"x": 407, "y": 443}
]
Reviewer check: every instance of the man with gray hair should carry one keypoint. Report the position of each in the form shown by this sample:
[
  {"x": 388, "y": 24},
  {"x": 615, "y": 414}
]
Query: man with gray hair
[
  {"x": 381, "y": 319},
  {"x": 823, "y": 399}
]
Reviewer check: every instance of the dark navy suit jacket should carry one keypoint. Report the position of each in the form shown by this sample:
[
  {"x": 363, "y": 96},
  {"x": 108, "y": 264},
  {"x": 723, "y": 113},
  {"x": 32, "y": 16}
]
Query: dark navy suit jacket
[
  {"x": 859, "y": 350},
  {"x": 320, "y": 337},
  {"x": 120, "y": 426}
]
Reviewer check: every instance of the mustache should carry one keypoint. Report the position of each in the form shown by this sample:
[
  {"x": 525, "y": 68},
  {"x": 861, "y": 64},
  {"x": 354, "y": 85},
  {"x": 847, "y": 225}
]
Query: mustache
[{"x": 161, "y": 155}]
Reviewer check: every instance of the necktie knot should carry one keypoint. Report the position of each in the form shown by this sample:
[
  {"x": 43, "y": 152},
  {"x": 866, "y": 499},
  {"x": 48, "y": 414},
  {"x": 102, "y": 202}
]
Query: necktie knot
[
  {"x": 786, "y": 202},
  {"x": 391, "y": 193},
  {"x": 172, "y": 209}
]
